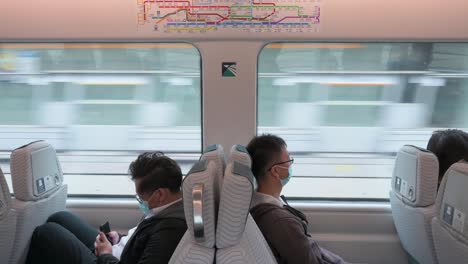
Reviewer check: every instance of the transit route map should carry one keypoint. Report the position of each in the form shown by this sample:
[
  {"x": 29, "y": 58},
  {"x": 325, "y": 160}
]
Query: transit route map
[{"x": 204, "y": 16}]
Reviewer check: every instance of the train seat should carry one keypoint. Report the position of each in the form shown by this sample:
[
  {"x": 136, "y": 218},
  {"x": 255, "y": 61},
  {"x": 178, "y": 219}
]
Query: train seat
[
  {"x": 449, "y": 226},
  {"x": 39, "y": 191},
  {"x": 238, "y": 238},
  {"x": 215, "y": 153},
  {"x": 239, "y": 153},
  {"x": 412, "y": 197},
  {"x": 198, "y": 243},
  {"x": 7, "y": 220}
]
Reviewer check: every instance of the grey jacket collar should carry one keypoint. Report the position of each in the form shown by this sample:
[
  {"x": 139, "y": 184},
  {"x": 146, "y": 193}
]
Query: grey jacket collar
[{"x": 261, "y": 198}]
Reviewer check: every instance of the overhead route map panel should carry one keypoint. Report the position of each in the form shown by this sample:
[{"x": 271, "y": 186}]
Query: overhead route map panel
[{"x": 205, "y": 16}]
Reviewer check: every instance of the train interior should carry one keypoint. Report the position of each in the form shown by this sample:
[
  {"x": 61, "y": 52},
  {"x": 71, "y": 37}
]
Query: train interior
[{"x": 356, "y": 88}]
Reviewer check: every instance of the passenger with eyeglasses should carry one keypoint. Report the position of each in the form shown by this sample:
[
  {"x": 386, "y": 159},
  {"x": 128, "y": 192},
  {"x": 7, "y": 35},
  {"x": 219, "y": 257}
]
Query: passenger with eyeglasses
[
  {"x": 284, "y": 228},
  {"x": 65, "y": 238}
]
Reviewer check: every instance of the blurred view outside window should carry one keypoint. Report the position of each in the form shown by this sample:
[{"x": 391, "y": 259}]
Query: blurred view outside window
[
  {"x": 100, "y": 105},
  {"x": 345, "y": 109}
]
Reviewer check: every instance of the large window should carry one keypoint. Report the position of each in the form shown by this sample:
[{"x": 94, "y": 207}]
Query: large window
[
  {"x": 100, "y": 105},
  {"x": 346, "y": 108}
]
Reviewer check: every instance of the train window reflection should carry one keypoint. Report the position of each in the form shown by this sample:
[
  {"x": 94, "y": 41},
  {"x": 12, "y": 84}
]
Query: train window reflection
[
  {"x": 346, "y": 108},
  {"x": 99, "y": 105}
]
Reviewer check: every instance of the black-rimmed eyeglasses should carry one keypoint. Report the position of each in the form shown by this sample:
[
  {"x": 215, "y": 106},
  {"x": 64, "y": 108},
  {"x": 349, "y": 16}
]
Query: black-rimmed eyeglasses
[{"x": 291, "y": 161}]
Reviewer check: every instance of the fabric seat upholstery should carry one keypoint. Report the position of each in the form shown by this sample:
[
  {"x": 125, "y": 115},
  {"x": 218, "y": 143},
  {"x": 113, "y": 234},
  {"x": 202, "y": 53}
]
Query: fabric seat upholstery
[
  {"x": 39, "y": 191},
  {"x": 412, "y": 197},
  {"x": 7, "y": 220},
  {"x": 238, "y": 238},
  {"x": 198, "y": 243},
  {"x": 215, "y": 153},
  {"x": 449, "y": 226},
  {"x": 209, "y": 173}
]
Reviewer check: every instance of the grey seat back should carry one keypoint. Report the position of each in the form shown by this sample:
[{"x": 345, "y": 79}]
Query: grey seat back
[
  {"x": 215, "y": 153},
  {"x": 238, "y": 238},
  {"x": 198, "y": 243},
  {"x": 7, "y": 220},
  {"x": 412, "y": 197},
  {"x": 39, "y": 191},
  {"x": 450, "y": 225}
]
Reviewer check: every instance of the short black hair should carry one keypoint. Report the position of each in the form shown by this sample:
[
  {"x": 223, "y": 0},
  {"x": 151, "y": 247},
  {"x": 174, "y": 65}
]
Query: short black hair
[
  {"x": 156, "y": 171},
  {"x": 263, "y": 151},
  {"x": 450, "y": 146}
]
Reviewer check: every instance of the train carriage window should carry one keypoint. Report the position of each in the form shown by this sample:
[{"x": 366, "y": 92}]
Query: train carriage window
[
  {"x": 108, "y": 104},
  {"x": 16, "y": 104},
  {"x": 346, "y": 108},
  {"x": 100, "y": 105}
]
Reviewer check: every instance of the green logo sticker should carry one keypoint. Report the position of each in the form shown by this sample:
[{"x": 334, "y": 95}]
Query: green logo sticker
[{"x": 229, "y": 69}]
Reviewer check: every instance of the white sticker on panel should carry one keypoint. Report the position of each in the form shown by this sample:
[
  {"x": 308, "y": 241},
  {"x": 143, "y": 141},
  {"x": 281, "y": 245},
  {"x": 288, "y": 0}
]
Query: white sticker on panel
[
  {"x": 410, "y": 193},
  {"x": 458, "y": 221},
  {"x": 404, "y": 188}
]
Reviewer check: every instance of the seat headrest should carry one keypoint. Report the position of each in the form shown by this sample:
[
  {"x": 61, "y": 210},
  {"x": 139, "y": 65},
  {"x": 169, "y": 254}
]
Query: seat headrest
[
  {"x": 35, "y": 171},
  {"x": 236, "y": 197},
  {"x": 452, "y": 203},
  {"x": 215, "y": 153},
  {"x": 199, "y": 204},
  {"x": 415, "y": 176},
  {"x": 5, "y": 197},
  {"x": 240, "y": 154}
]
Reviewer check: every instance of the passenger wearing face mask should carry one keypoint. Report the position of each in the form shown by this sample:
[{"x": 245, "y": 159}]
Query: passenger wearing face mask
[
  {"x": 284, "y": 227},
  {"x": 67, "y": 239}
]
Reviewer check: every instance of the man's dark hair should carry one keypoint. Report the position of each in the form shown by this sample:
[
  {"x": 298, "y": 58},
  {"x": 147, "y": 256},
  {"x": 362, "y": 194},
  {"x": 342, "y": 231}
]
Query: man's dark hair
[
  {"x": 264, "y": 150},
  {"x": 156, "y": 171},
  {"x": 449, "y": 146}
]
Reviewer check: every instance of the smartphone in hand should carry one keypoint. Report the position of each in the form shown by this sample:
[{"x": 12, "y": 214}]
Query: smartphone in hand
[{"x": 105, "y": 228}]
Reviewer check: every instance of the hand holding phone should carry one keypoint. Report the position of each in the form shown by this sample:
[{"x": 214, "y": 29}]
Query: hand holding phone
[{"x": 105, "y": 228}]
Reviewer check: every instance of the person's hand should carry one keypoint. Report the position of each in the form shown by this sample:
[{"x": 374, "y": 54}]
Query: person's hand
[
  {"x": 114, "y": 236},
  {"x": 102, "y": 245}
]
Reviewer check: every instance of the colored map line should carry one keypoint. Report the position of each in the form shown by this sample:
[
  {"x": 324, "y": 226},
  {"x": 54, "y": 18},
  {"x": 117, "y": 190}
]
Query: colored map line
[
  {"x": 183, "y": 1},
  {"x": 184, "y": 8},
  {"x": 191, "y": 28},
  {"x": 190, "y": 7},
  {"x": 181, "y": 7},
  {"x": 187, "y": 13},
  {"x": 253, "y": 7},
  {"x": 185, "y": 28},
  {"x": 238, "y": 23},
  {"x": 264, "y": 22}
]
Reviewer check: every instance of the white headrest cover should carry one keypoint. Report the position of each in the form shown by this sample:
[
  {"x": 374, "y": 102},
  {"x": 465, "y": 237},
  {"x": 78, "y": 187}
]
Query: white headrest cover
[
  {"x": 202, "y": 173},
  {"x": 236, "y": 197},
  {"x": 215, "y": 153},
  {"x": 35, "y": 171},
  {"x": 452, "y": 201},
  {"x": 415, "y": 176},
  {"x": 239, "y": 153},
  {"x": 5, "y": 197}
]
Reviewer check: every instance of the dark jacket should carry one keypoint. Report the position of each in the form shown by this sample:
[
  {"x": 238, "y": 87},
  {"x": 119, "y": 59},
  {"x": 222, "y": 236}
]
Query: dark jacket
[
  {"x": 285, "y": 230},
  {"x": 154, "y": 240}
]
